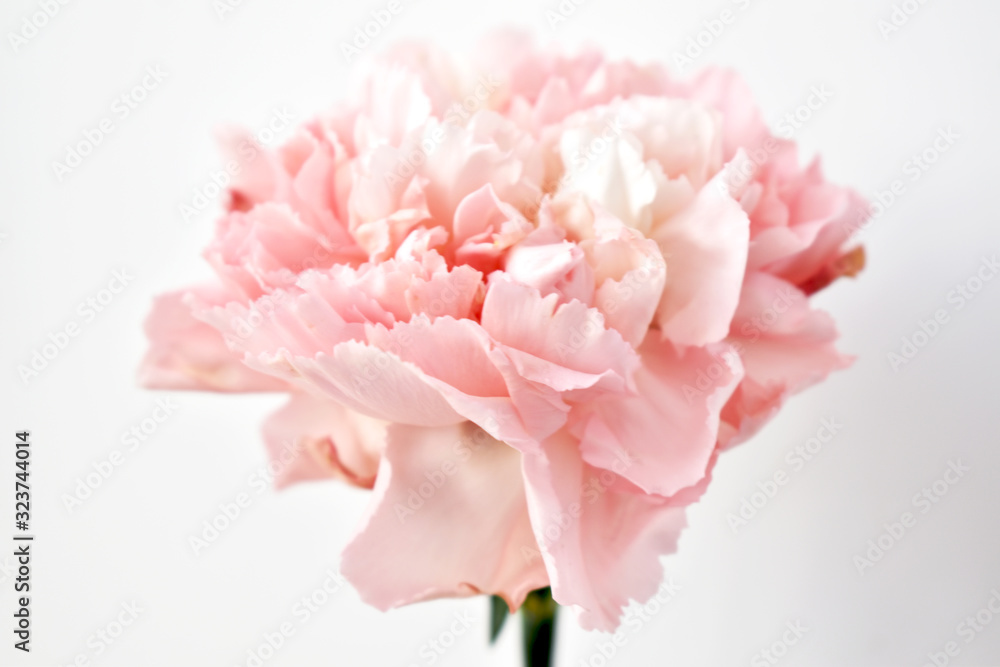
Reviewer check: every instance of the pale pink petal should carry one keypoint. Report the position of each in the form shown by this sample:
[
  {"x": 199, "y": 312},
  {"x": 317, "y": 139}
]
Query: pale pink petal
[
  {"x": 306, "y": 323},
  {"x": 393, "y": 104},
  {"x": 563, "y": 346},
  {"x": 785, "y": 347},
  {"x": 313, "y": 438},
  {"x": 630, "y": 274},
  {"x": 743, "y": 125},
  {"x": 684, "y": 137},
  {"x": 829, "y": 243},
  {"x": 368, "y": 380},
  {"x": 319, "y": 346},
  {"x": 384, "y": 84},
  {"x": 794, "y": 207},
  {"x": 447, "y": 519},
  {"x": 456, "y": 293},
  {"x": 484, "y": 228},
  {"x": 186, "y": 353},
  {"x": 541, "y": 408},
  {"x": 304, "y": 174},
  {"x": 669, "y": 429},
  {"x": 324, "y": 170},
  {"x": 624, "y": 79},
  {"x": 527, "y": 69},
  {"x": 601, "y": 546},
  {"x": 490, "y": 150},
  {"x": 261, "y": 175},
  {"x": 783, "y": 339},
  {"x": 386, "y": 202},
  {"x": 266, "y": 248},
  {"x": 605, "y": 162},
  {"x": 546, "y": 261},
  {"x": 458, "y": 358},
  {"x": 705, "y": 248},
  {"x": 480, "y": 211},
  {"x": 749, "y": 409}
]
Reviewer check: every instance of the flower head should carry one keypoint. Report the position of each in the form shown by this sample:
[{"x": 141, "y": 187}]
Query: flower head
[{"x": 526, "y": 300}]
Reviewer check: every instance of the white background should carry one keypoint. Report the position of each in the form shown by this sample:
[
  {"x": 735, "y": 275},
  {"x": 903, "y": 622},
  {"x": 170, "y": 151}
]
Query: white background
[{"x": 793, "y": 562}]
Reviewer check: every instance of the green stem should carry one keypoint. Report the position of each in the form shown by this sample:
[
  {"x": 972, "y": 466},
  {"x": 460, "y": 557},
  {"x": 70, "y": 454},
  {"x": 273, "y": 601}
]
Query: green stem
[
  {"x": 498, "y": 616},
  {"x": 538, "y": 622}
]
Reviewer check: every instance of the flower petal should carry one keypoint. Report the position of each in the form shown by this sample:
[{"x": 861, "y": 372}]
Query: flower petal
[
  {"x": 705, "y": 248},
  {"x": 601, "y": 546},
  {"x": 785, "y": 347},
  {"x": 186, "y": 353},
  {"x": 565, "y": 347},
  {"x": 446, "y": 520},
  {"x": 669, "y": 429},
  {"x": 313, "y": 438}
]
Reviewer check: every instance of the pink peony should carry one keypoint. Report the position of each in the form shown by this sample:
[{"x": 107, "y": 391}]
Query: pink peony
[{"x": 526, "y": 301}]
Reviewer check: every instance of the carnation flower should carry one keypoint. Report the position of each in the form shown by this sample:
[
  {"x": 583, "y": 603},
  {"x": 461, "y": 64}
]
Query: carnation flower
[{"x": 526, "y": 299}]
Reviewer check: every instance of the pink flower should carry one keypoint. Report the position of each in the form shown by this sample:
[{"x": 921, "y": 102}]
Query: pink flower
[{"x": 526, "y": 304}]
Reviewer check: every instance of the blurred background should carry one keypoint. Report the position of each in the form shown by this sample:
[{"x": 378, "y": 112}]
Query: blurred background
[{"x": 908, "y": 118}]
